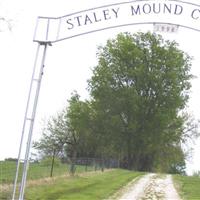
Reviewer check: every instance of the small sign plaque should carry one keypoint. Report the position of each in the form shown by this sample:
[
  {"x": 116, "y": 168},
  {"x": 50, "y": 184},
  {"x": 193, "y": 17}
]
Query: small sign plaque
[{"x": 167, "y": 28}]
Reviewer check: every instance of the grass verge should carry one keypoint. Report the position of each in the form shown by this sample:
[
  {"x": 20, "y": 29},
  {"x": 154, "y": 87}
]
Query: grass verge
[
  {"x": 88, "y": 187},
  {"x": 36, "y": 171},
  {"x": 188, "y": 187}
]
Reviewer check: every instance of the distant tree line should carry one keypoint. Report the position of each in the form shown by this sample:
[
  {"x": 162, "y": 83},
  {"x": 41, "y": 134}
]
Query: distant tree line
[{"x": 136, "y": 113}]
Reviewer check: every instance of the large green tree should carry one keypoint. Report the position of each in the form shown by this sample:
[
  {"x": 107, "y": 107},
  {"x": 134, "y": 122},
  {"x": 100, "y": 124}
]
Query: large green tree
[{"x": 138, "y": 89}]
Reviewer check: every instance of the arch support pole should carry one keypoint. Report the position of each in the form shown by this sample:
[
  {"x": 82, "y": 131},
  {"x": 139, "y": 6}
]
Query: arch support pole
[{"x": 29, "y": 119}]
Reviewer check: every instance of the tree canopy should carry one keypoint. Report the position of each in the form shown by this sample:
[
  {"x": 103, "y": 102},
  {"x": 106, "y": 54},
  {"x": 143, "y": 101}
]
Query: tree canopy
[{"x": 138, "y": 91}]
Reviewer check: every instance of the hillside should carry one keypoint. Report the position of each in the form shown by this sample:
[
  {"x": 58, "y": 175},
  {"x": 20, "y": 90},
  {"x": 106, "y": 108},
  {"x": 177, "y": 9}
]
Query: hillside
[{"x": 110, "y": 184}]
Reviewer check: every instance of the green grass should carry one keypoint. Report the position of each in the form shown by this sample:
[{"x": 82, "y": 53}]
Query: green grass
[
  {"x": 7, "y": 171},
  {"x": 36, "y": 171},
  {"x": 188, "y": 187},
  {"x": 98, "y": 186}
]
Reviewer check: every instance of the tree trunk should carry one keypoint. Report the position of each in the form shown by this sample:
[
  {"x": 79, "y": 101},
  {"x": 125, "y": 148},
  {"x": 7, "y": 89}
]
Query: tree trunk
[
  {"x": 129, "y": 156},
  {"x": 52, "y": 163},
  {"x": 73, "y": 162}
]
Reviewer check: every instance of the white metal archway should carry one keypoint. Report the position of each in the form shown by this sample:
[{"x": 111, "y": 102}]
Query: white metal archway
[{"x": 49, "y": 30}]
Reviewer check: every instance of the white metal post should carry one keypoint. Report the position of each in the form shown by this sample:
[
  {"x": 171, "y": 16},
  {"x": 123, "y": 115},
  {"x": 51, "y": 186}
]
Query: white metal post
[
  {"x": 31, "y": 119},
  {"x": 29, "y": 140},
  {"x": 24, "y": 125}
]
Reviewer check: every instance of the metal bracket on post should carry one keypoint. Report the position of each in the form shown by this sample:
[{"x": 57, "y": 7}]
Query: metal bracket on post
[{"x": 32, "y": 110}]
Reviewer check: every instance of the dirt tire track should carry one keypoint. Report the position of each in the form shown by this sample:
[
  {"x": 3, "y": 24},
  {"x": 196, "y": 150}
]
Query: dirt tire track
[
  {"x": 136, "y": 190},
  {"x": 151, "y": 187}
]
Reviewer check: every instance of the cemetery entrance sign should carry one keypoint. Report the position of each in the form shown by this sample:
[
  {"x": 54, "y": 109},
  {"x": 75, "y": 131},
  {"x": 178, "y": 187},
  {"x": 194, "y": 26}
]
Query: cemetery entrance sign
[
  {"x": 136, "y": 12},
  {"x": 49, "y": 30}
]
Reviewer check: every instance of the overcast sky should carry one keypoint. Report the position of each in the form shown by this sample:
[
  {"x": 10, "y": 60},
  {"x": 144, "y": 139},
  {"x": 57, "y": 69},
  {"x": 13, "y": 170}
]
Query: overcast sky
[{"x": 68, "y": 66}]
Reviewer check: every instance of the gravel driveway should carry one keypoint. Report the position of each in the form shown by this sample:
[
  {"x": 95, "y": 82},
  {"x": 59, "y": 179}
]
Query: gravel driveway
[{"x": 151, "y": 187}]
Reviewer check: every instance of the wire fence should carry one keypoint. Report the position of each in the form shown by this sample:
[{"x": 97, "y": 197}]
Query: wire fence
[{"x": 39, "y": 171}]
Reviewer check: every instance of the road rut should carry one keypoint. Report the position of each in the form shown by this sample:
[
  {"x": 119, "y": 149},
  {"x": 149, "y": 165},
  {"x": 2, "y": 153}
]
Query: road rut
[{"x": 151, "y": 187}]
